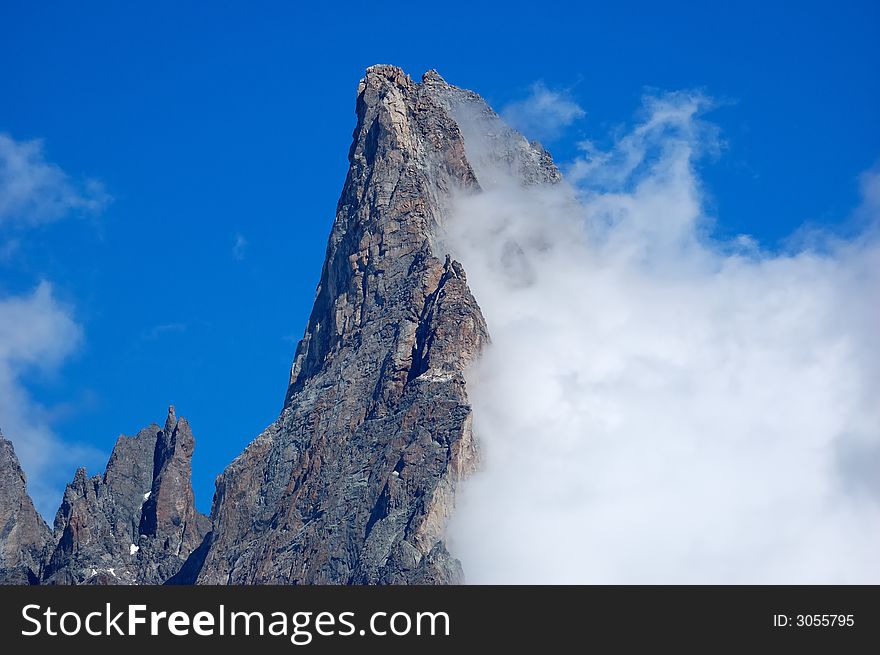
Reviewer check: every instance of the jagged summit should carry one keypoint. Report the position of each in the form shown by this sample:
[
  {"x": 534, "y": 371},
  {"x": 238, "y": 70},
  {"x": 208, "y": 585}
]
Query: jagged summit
[
  {"x": 406, "y": 157},
  {"x": 136, "y": 523},
  {"x": 354, "y": 481},
  {"x": 432, "y": 76}
]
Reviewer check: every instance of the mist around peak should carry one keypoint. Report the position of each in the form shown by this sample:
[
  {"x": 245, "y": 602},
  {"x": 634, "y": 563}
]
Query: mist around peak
[{"x": 659, "y": 405}]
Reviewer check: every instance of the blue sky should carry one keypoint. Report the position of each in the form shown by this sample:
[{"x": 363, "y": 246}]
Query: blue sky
[{"x": 220, "y": 132}]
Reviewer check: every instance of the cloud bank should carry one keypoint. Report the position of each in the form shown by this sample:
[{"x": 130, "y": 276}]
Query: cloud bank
[{"x": 657, "y": 405}]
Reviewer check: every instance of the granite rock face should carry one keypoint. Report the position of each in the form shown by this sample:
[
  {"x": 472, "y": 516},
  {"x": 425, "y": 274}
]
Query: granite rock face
[
  {"x": 24, "y": 535},
  {"x": 137, "y": 523},
  {"x": 354, "y": 482}
]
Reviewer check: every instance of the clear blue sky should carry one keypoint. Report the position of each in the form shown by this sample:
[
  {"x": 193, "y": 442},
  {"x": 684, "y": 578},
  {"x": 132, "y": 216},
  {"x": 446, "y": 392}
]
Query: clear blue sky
[{"x": 211, "y": 121}]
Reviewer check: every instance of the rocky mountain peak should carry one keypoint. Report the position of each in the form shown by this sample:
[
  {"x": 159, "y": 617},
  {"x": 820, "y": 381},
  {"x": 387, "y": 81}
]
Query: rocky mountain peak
[
  {"x": 135, "y": 524},
  {"x": 355, "y": 480},
  {"x": 24, "y": 534},
  {"x": 406, "y": 158}
]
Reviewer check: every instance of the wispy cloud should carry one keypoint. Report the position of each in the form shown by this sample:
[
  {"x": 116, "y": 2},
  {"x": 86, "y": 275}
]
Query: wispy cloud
[
  {"x": 37, "y": 335},
  {"x": 544, "y": 114},
  {"x": 158, "y": 331},
  {"x": 239, "y": 247},
  {"x": 34, "y": 190}
]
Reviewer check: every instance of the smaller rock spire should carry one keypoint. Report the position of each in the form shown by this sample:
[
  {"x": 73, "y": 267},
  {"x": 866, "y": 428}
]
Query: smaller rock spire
[{"x": 170, "y": 422}]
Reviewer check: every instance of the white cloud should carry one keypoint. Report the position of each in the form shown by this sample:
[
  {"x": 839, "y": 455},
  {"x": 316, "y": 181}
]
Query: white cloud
[
  {"x": 37, "y": 334},
  {"x": 239, "y": 247},
  {"x": 543, "y": 114},
  {"x": 35, "y": 191},
  {"x": 658, "y": 406}
]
